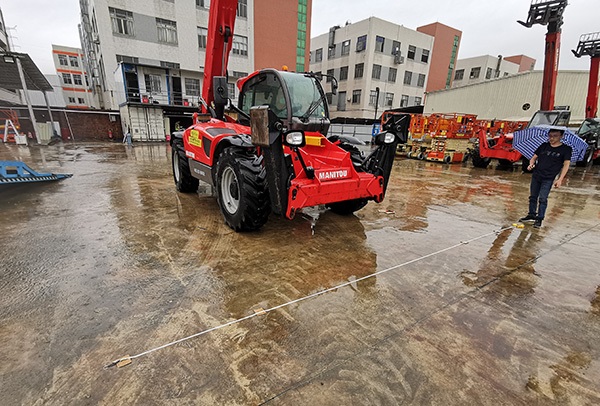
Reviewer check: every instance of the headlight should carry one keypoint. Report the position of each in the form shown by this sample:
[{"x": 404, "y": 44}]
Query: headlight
[
  {"x": 389, "y": 138},
  {"x": 295, "y": 139}
]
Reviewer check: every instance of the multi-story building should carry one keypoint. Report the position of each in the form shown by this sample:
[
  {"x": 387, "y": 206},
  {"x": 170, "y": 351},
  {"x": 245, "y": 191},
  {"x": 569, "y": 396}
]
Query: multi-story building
[
  {"x": 378, "y": 64},
  {"x": 146, "y": 57},
  {"x": 70, "y": 69},
  {"x": 443, "y": 55},
  {"x": 481, "y": 68}
]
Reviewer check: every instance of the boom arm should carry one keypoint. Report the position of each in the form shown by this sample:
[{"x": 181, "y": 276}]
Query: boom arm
[
  {"x": 221, "y": 22},
  {"x": 589, "y": 44}
]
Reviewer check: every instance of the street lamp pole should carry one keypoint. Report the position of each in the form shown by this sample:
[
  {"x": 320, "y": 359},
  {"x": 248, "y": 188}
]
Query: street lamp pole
[{"x": 376, "y": 101}]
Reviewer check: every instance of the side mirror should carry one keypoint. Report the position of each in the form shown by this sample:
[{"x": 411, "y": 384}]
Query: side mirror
[{"x": 334, "y": 86}]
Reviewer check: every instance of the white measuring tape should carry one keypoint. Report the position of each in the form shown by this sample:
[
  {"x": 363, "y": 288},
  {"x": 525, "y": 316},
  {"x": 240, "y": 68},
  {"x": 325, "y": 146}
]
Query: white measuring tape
[{"x": 120, "y": 362}]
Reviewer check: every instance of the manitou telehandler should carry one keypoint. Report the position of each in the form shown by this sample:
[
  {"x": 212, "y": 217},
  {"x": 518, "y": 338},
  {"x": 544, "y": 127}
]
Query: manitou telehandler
[{"x": 275, "y": 156}]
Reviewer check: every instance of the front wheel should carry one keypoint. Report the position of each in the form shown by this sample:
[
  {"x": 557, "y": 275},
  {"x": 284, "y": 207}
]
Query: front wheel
[
  {"x": 347, "y": 207},
  {"x": 478, "y": 160},
  {"x": 184, "y": 181},
  {"x": 242, "y": 190}
]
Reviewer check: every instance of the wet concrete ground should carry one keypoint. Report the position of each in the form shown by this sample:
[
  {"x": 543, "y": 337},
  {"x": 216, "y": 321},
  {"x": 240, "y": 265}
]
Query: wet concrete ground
[{"x": 114, "y": 262}]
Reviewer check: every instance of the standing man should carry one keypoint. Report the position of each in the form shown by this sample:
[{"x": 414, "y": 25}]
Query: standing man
[{"x": 550, "y": 159}]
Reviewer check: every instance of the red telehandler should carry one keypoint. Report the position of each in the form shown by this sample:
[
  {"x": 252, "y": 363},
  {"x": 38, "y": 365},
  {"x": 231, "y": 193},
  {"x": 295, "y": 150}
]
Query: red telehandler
[
  {"x": 275, "y": 156},
  {"x": 589, "y": 44}
]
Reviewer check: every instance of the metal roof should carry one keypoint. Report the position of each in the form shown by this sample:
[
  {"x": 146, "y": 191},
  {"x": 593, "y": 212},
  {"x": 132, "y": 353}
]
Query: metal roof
[{"x": 9, "y": 73}]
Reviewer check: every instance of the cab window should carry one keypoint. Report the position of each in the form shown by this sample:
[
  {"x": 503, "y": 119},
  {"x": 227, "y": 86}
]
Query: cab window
[{"x": 264, "y": 89}]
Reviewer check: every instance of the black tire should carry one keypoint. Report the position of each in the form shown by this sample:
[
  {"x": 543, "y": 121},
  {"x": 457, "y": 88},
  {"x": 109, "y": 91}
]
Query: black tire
[
  {"x": 184, "y": 181},
  {"x": 505, "y": 163},
  {"x": 525, "y": 165},
  {"x": 587, "y": 158},
  {"x": 242, "y": 189},
  {"x": 347, "y": 207},
  {"x": 356, "y": 155},
  {"x": 478, "y": 160}
]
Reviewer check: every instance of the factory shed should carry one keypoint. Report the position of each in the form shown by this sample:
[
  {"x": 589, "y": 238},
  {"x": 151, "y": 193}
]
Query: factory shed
[{"x": 514, "y": 97}]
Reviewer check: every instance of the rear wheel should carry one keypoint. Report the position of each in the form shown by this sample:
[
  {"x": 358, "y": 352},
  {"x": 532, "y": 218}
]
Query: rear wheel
[
  {"x": 184, "y": 181},
  {"x": 241, "y": 189},
  {"x": 587, "y": 158},
  {"x": 347, "y": 207},
  {"x": 478, "y": 160}
]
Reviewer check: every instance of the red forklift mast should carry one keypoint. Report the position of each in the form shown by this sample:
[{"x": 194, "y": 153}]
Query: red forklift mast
[
  {"x": 548, "y": 13},
  {"x": 219, "y": 42},
  {"x": 589, "y": 44}
]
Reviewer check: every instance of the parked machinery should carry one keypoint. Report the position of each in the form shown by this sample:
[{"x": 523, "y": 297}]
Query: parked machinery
[
  {"x": 275, "y": 157},
  {"x": 589, "y": 44}
]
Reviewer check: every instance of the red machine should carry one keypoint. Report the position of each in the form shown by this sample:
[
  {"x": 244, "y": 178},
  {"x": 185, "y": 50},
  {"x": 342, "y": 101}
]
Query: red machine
[
  {"x": 589, "y": 44},
  {"x": 275, "y": 157},
  {"x": 500, "y": 145}
]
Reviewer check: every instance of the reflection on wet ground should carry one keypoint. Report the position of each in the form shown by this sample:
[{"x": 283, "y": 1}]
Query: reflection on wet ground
[{"x": 113, "y": 261}]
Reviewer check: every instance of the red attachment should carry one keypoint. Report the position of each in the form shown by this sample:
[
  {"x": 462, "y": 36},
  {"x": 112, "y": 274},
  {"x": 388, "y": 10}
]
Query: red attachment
[
  {"x": 219, "y": 42},
  {"x": 550, "y": 70},
  {"x": 591, "y": 105}
]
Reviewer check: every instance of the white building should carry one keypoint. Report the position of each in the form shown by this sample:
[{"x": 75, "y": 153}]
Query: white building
[
  {"x": 74, "y": 81},
  {"x": 481, "y": 68},
  {"x": 146, "y": 58},
  {"x": 513, "y": 97},
  {"x": 375, "y": 61}
]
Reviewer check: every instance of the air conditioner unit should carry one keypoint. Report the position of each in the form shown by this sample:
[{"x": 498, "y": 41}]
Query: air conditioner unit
[
  {"x": 398, "y": 59},
  {"x": 95, "y": 37}
]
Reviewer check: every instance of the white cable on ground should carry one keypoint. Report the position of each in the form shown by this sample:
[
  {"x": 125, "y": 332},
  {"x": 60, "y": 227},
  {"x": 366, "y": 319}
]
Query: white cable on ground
[{"x": 127, "y": 359}]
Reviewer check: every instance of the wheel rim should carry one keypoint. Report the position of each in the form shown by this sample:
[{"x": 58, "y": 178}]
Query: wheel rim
[
  {"x": 230, "y": 191},
  {"x": 176, "y": 172}
]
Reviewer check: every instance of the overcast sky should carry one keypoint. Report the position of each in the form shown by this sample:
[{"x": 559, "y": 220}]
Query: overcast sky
[{"x": 488, "y": 26}]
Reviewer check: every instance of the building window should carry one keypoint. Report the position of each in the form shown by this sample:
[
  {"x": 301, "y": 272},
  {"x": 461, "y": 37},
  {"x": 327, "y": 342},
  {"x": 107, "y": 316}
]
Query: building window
[
  {"x": 346, "y": 47},
  {"x": 421, "y": 80},
  {"x": 192, "y": 87},
  {"x": 167, "y": 31},
  {"x": 72, "y": 100},
  {"x": 373, "y": 95},
  {"x": 238, "y": 74},
  {"x": 344, "y": 73},
  {"x": 329, "y": 97},
  {"x": 62, "y": 60},
  {"x": 231, "y": 90},
  {"x": 341, "y": 101},
  {"x": 203, "y": 3},
  {"x": 122, "y": 21},
  {"x": 66, "y": 77},
  {"x": 376, "y": 72},
  {"x": 425, "y": 56},
  {"x": 152, "y": 83},
  {"x": 329, "y": 75},
  {"x": 242, "y": 10},
  {"x": 379, "y": 42},
  {"x": 389, "y": 99},
  {"x": 77, "y": 79},
  {"x": 404, "y": 100},
  {"x": 80, "y": 100},
  {"x": 331, "y": 52},
  {"x": 74, "y": 61},
  {"x": 475, "y": 73},
  {"x": 417, "y": 101},
  {"x": 361, "y": 43},
  {"x": 412, "y": 50},
  {"x": 356, "y": 96},
  {"x": 459, "y": 74},
  {"x": 202, "y": 34},
  {"x": 407, "y": 77},
  {"x": 240, "y": 45},
  {"x": 488, "y": 73},
  {"x": 392, "y": 75},
  {"x": 319, "y": 55},
  {"x": 395, "y": 47},
  {"x": 359, "y": 69}
]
